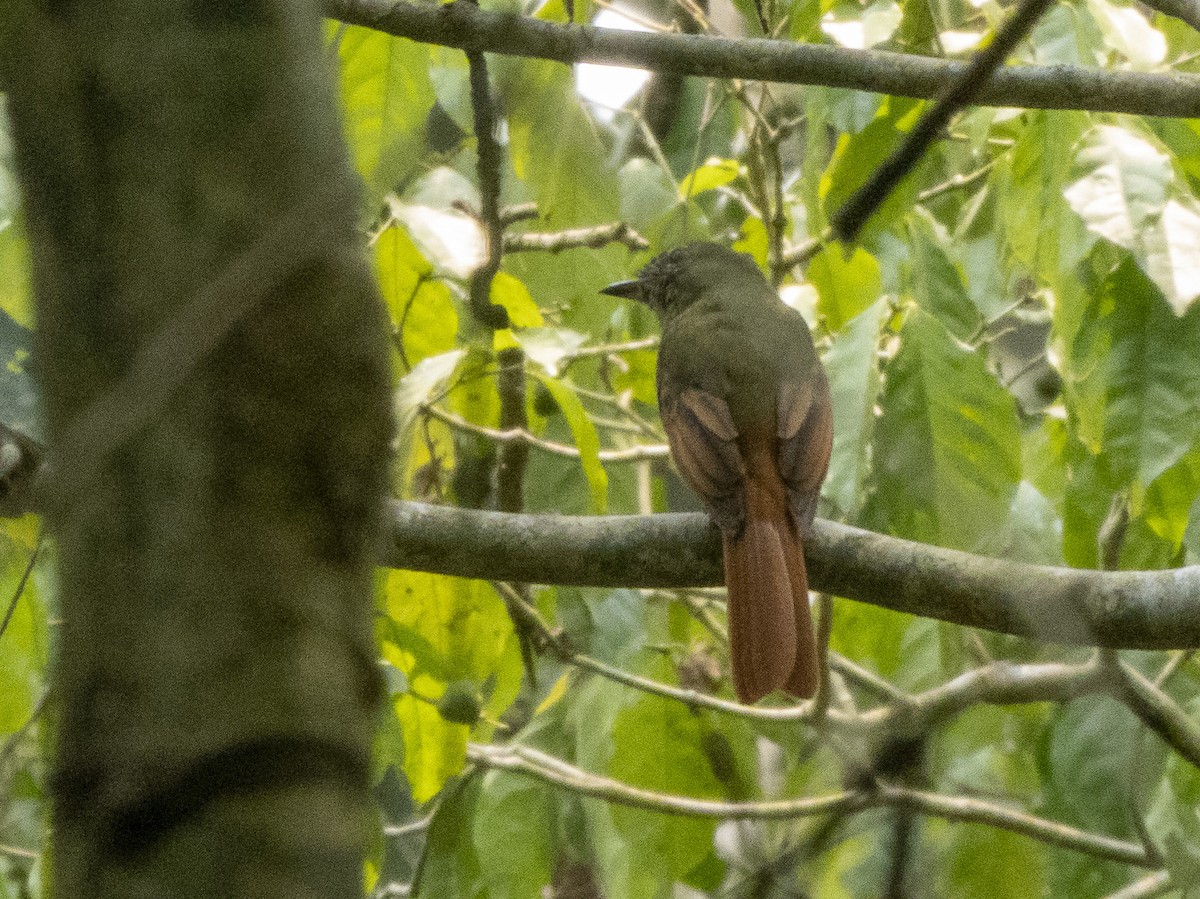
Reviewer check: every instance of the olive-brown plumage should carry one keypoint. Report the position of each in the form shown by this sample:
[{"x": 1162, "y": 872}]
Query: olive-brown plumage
[{"x": 746, "y": 406}]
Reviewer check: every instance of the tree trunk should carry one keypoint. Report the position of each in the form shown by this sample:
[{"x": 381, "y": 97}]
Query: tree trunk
[{"x": 214, "y": 371}]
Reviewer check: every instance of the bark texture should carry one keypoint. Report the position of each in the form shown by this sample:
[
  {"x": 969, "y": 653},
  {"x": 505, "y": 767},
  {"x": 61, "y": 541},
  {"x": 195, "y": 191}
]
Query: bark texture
[{"x": 214, "y": 371}]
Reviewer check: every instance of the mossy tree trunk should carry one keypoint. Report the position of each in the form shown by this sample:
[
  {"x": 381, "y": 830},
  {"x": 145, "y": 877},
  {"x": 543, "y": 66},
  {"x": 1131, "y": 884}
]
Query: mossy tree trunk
[{"x": 214, "y": 371}]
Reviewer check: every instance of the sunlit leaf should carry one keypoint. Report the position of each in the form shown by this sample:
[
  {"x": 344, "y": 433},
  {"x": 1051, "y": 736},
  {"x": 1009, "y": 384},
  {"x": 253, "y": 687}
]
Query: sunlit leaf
[
  {"x": 846, "y": 285},
  {"x": 713, "y": 174},
  {"x": 1126, "y": 30},
  {"x": 586, "y": 440},
  {"x": 850, "y": 26},
  {"x": 421, "y": 307},
  {"x": 1128, "y": 195},
  {"x": 16, "y": 294},
  {"x": 386, "y": 97},
  {"x": 510, "y": 293}
]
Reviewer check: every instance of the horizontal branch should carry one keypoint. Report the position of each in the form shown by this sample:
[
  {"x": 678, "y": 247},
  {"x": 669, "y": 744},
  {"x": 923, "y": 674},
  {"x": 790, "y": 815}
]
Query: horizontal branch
[
  {"x": 466, "y": 27},
  {"x": 593, "y": 237},
  {"x": 520, "y": 435},
  {"x": 549, "y": 769},
  {"x": 1119, "y": 609}
]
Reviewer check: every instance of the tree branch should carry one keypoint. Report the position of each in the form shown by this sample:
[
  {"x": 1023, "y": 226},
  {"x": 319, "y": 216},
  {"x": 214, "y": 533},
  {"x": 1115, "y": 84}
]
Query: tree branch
[
  {"x": 1121, "y": 609},
  {"x": 593, "y": 237},
  {"x": 1034, "y": 87},
  {"x": 549, "y": 769}
]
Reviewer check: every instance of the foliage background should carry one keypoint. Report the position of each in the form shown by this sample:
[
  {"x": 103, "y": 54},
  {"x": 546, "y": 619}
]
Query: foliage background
[{"x": 1013, "y": 351}]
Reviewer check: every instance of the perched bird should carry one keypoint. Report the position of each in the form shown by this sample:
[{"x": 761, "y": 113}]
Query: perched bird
[{"x": 746, "y": 406}]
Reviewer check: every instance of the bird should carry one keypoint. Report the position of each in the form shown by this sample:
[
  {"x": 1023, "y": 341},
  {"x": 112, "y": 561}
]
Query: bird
[{"x": 745, "y": 402}]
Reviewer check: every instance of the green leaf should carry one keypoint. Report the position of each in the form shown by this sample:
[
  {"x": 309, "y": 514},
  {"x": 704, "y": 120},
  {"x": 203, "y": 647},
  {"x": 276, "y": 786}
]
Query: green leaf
[
  {"x": 510, "y": 293},
  {"x": 996, "y": 863},
  {"x": 853, "y": 369},
  {"x": 435, "y": 750},
  {"x": 1172, "y": 820},
  {"x": 713, "y": 174},
  {"x": 646, "y": 192},
  {"x": 24, "y": 649},
  {"x": 947, "y": 446},
  {"x": 1091, "y": 750},
  {"x": 845, "y": 285},
  {"x": 386, "y": 98},
  {"x": 1041, "y": 230},
  {"x": 428, "y": 377},
  {"x": 586, "y": 439},
  {"x": 657, "y": 745},
  {"x": 420, "y": 306},
  {"x": 16, "y": 294},
  {"x": 1148, "y": 374},
  {"x": 553, "y": 144},
  {"x": 1127, "y": 193},
  {"x": 19, "y": 408},
  {"x": 857, "y": 156},
  {"x": 935, "y": 282},
  {"x": 511, "y": 830},
  {"x": 451, "y": 866},
  {"x": 440, "y": 630}
]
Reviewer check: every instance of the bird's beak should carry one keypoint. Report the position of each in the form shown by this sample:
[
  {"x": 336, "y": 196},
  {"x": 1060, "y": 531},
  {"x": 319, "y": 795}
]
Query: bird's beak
[{"x": 626, "y": 290}]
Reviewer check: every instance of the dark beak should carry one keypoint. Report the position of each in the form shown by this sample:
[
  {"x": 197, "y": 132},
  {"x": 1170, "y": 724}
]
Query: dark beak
[{"x": 626, "y": 290}]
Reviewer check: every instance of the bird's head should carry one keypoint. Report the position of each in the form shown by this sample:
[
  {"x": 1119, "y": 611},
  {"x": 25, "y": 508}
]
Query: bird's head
[{"x": 672, "y": 281}]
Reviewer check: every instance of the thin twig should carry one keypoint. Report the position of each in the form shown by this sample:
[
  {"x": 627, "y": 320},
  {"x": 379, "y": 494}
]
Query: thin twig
[
  {"x": 853, "y": 214},
  {"x": 555, "y": 771},
  {"x": 970, "y": 810},
  {"x": 957, "y": 182},
  {"x": 12, "y": 605},
  {"x": 519, "y": 435},
  {"x": 1158, "y": 711},
  {"x": 10, "y": 745},
  {"x": 488, "y": 168},
  {"x": 1145, "y": 888}
]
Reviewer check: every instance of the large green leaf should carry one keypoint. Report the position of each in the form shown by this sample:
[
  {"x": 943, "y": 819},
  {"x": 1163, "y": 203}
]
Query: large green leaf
[
  {"x": 934, "y": 281},
  {"x": 1127, "y": 193},
  {"x": 554, "y": 146},
  {"x": 853, "y": 369},
  {"x": 386, "y": 98},
  {"x": 857, "y": 156},
  {"x": 947, "y": 447},
  {"x": 846, "y": 282},
  {"x": 657, "y": 745},
  {"x": 1042, "y": 232},
  {"x": 511, "y": 830},
  {"x": 1144, "y": 360},
  {"x": 421, "y": 307},
  {"x": 439, "y": 630}
]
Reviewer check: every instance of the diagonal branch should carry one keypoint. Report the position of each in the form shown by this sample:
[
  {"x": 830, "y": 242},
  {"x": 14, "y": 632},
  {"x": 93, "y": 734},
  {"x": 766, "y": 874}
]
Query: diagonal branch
[{"x": 1035, "y": 87}]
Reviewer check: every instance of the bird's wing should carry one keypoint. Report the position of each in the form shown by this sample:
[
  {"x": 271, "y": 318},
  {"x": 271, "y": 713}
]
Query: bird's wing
[
  {"x": 805, "y": 431},
  {"x": 703, "y": 441}
]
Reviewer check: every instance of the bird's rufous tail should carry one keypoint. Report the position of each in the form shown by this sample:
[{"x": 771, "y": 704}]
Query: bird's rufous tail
[{"x": 770, "y": 626}]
